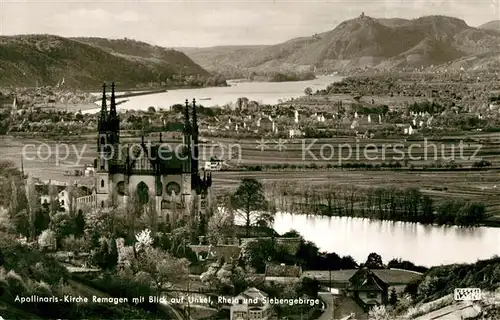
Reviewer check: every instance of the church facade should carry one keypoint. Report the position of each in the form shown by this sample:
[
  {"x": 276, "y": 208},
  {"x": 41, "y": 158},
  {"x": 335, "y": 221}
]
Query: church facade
[{"x": 156, "y": 176}]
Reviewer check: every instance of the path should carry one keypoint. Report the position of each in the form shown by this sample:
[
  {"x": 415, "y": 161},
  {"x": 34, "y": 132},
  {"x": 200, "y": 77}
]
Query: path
[{"x": 327, "y": 298}]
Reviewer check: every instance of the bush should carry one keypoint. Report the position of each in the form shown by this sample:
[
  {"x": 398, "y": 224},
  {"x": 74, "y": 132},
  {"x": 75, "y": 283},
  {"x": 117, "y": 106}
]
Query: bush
[{"x": 47, "y": 240}]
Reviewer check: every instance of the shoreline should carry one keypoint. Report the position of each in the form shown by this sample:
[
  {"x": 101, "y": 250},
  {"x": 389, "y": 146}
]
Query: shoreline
[{"x": 484, "y": 224}]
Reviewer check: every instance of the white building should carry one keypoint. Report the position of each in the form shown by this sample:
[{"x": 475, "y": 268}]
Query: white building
[
  {"x": 89, "y": 170},
  {"x": 213, "y": 165},
  {"x": 409, "y": 130},
  {"x": 293, "y": 133},
  {"x": 62, "y": 197},
  {"x": 250, "y": 304}
]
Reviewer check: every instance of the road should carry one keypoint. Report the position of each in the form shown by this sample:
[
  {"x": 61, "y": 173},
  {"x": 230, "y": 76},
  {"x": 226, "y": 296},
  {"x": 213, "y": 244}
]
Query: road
[{"x": 327, "y": 298}]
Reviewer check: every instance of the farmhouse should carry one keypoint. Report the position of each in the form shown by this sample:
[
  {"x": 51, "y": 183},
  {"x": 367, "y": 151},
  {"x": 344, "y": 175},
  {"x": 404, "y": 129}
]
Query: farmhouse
[{"x": 250, "y": 304}]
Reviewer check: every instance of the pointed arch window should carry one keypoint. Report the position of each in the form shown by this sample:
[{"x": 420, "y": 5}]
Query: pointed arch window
[
  {"x": 142, "y": 193},
  {"x": 102, "y": 183}
]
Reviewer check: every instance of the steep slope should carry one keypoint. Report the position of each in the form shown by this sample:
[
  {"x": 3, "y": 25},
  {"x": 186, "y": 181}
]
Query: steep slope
[
  {"x": 46, "y": 59},
  {"x": 483, "y": 61},
  {"x": 214, "y": 57},
  {"x": 145, "y": 53},
  {"x": 366, "y": 42},
  {"x": 491, "y": 25}
]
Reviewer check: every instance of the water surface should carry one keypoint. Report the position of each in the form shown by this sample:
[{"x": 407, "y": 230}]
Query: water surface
[
  {"x": 421, "y": 244},
  {"x": 262, "y": 92}
]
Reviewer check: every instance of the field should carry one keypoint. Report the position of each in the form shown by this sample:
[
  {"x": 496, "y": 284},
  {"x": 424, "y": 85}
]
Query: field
[
  {"x": 337, "y": 151},
  {"x": 469, "y": 185}
]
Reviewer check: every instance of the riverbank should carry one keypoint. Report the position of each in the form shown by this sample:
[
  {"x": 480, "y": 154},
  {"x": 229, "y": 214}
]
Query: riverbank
[{"x": 425, "y": 245}]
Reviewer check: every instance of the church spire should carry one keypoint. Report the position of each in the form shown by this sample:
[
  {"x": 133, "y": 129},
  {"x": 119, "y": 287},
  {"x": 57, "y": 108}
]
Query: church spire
[
  {"x": 186, "y": 119},
  {"x": 195, "y": 120},
  {"x": 104, "y": 110},
  {"x": 113, "y": 123},
  {"x": 112, "y": 108}
]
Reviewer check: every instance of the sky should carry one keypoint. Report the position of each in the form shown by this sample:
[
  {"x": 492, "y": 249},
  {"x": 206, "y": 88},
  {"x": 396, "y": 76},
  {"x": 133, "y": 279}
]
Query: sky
[{"x": 191, "y": 23}]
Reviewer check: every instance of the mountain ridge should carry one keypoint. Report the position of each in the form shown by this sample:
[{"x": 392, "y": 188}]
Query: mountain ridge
[
  {"x": 491, "y": 25},
  {"x": 358, "y": 43},
  {"x": 27, "y": 60}
]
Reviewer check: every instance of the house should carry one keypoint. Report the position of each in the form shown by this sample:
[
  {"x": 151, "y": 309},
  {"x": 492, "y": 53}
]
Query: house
[
  {"x": 339, "y": 279},
  {"x": 212, "y": 253},
  {"x": 89, "y": 170},
  {"x": 250, "y": 304},
  {"x": 409, "y": 130},
  {"x": 214, "y": 164},
  {"x": 45, "y": 197},
  {"x": 363, "y": 291},
  {"x": 292, "y": 133},
  {"x": 367, "y": 289}
]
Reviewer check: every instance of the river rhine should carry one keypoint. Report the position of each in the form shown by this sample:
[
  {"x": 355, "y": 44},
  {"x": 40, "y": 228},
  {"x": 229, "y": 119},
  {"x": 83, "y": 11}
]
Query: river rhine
[
  {"x": 262, "y": 92},
  {"x": 420, "y": 244}
]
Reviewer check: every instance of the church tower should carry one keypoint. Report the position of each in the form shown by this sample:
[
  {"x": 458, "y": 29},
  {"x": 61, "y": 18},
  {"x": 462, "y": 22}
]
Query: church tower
[
  {"x": 186, "y": 170},
  {"x": 103, "y": 153},
  {"x": 113, "y": 121},
  {"x": 195, "y": 153}
]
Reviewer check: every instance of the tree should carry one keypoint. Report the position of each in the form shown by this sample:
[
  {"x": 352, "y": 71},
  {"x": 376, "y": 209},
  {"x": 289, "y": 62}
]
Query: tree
[
  {"x": 18, "y": 212},
  {"x": 249, "y": 198},
  {"x": 308, "y": 91},
  {"x": 220, "y": 225},
  {"x": 152, "y": 215},
  {"x": 379, "y": 313},
  {"x": 54, "y": 204},
  {"x": 256, "y": 254},
  {"x": 227, "y": 278},
  {"x": 106, "y": 255},
  {"x": 348, "y": 262},
  {"x": 393, "y": 297},
  {"x": 144, "y": 240},
  {"x": 70, "y": 189},
  {"x": 133, "y": 211},
  {"x": 33, "y": 206},
  {"x": 374, "y": 261},
  {"x": 47, "y": 240},
  {"x": 164, "y": 270},
  {"x": 79, "y": 223},
  {"x": 292, "y": 234},
  {"x": 62, "y": 225}
]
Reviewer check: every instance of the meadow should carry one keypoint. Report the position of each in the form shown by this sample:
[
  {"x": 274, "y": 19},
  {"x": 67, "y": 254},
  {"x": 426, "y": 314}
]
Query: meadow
[{"x": 468, "y": 185}]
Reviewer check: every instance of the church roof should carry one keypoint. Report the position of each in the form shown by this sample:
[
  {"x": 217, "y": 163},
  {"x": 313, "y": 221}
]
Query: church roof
[{"x": 160, "y": 157}]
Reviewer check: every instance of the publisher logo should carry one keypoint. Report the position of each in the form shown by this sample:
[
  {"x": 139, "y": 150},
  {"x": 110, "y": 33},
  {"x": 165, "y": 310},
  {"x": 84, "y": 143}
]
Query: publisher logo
[{"x": 467, "y": 294}]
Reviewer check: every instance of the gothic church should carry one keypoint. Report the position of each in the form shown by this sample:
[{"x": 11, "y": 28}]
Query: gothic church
[{"x": 161, "y": 177}]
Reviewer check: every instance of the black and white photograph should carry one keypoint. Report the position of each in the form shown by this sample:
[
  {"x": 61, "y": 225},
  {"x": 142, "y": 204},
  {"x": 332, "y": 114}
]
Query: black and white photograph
[{"x": 250, "y": 159}]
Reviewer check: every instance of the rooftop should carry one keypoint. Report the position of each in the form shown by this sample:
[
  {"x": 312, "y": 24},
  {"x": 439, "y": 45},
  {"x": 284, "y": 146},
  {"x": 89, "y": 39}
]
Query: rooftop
[{"x": 389, "y": 276}]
